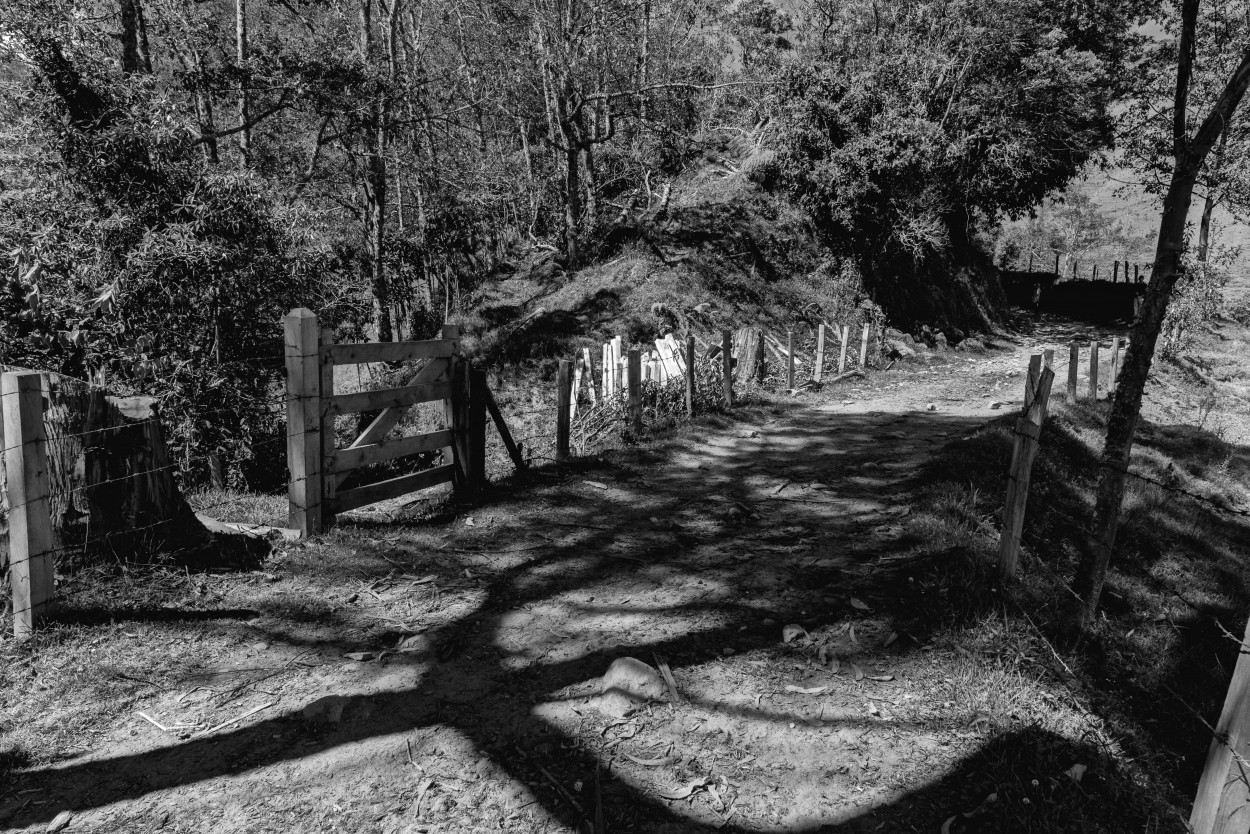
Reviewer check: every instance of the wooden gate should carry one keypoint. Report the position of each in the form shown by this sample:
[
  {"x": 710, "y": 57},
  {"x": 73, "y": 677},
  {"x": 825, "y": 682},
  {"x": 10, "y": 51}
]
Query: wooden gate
[{"x": 318, "y": 468}]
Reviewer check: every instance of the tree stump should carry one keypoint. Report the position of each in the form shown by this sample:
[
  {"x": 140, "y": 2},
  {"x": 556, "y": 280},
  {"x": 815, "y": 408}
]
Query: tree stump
[{"x": 749, "y": 351}]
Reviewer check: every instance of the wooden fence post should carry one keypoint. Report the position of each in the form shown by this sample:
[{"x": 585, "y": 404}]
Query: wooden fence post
[
  {"x": 1222, "y": 804},
  {"x": 845, "y": 335},
  {"x": 1093, "y": 370},
  {"x": 1113, "y": 373},
  {"x": 690, "y": 376},
  {"x": 1030, "y": 382},
  {"x": 863, "y": 348},
  {"x": 564, "y": 384},
  {"x": 1074, "y": 368},
  {"x": 329, "y": 483},
  {"x": 1028, "y": 431},
  {"x": 31, "y": 561},
  {"x": 1056, "y": 263},
  {"x": 477, "y": 429},
  {"x": 303, "y": 421},
  {"x": 727, "y": 364},
  {"x": 635, "y": 389},
  {"x": 819, "y": 370},
  {"x": 790, "y": 360}
]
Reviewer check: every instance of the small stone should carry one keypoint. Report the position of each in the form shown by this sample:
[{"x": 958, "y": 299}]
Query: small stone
[
  {"x": 792, "y": 632},
  {"x": 727, "y": 651},
  {"x": 931, "y": 407},
  {"x": 326, "y": 710},
  {"x": 60, "y": 821}
]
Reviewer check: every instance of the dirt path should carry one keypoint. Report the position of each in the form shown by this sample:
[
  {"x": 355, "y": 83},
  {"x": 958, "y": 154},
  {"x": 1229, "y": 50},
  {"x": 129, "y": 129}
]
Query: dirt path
[{"x": 699, "y": 550}]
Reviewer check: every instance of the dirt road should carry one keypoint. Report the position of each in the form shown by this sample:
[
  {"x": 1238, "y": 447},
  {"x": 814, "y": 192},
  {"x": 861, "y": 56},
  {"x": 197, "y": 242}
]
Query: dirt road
[{"x": 441, "y": 676}]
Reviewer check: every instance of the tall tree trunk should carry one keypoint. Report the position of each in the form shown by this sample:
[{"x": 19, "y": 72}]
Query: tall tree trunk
[
  {"x": 145, "y": 54},
  {"x": 1208, "y": 205},
  {"x": 374, "y": 141},
  {"x": 1190, "y": 155},
  {"x": 644, "y": 58},
  {"x": 240, "y": 31},
  {"x": 572, "y": 197},
  {"x": 130, "y": 37}
]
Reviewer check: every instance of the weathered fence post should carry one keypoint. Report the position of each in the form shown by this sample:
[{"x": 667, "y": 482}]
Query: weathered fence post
[
  {"x": 1074, "y": 368},
  {"x": 635, "y": 389},
  {"x": 1028, "y": 431},
  {"x": 31, "y": 561},
  {"x": 1030, "y": 382},
  {"x": 1113, "y": 374},
  {"x": 727, "y": 364},
  {"x": 863, "y": 348},
  {"x": 790, "y": 360},
  {"x": 1093, "y": 370},
  {"x": 819, "y": 370},
  {"x": 845, "y": 335},
  {"x": 477, "y": 429},
  {"x": 1222, "y": 804},
  {"x": 690, "y": 376},
  {"x": 329, "y": 483},
  {"x": 1056, "y": 263},
  {"x": 303, "y": 421},
  {"x": 564, "y": 385}
]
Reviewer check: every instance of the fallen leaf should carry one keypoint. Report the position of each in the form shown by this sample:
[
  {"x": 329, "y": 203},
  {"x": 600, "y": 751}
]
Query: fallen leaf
[
  {"x": 860, "y": 604},
  {"x": 857, "y": 672},
  {"x": 814, "y": 690},
  {"x": 687, "y": 790},
  {"x": 792, "y": 632},
  {"x": 595, "y": 484},
  {"x": 1076, "y": 772},
  {"x": 880, "y": 677},
  {"x": 468, "y": 522},
  {"x": 359, "y": 656},
  {"x": 834, "y": 665},
  {"x": 889, "y": 641}
]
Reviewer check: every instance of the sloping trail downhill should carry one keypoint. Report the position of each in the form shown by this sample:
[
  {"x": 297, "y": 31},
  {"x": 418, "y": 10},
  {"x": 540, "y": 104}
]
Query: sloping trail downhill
[{"x": 698, "y": 549}]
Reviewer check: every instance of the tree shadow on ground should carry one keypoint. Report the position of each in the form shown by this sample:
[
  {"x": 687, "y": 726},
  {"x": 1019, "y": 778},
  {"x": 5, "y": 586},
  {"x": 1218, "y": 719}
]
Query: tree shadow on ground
[{"x": 782, "y": 522}]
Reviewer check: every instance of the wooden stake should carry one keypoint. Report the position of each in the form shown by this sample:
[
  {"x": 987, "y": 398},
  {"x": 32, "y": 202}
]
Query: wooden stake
[
  {"x": 590, "y": 375},
  {"x": 477, "y": 430},
  {"x": 31, "y": 562},
  {"x": 819, "y": 370},
  {"x": 329, "y": 483},
  {"x": 1115, "y": 272},
  {"x": 1093, "y": 370},
  {"x": 1030, "y": 381},
  {"x": 1056, "y": 263},
  {"x": 1028, "y": 431},
  {"x": 635, "y": 389},
  {"x": 577, "y": 387},
  {"x": 1074, "y": 367},
  {"x": 790, "y": 360},
  {"x": 690, "y": 376},
  {"x": 564, "y": 385},
  {"x": 727, "y": 364},
  {"x": 1222, "y": 804},
  {"x": 514, "y": 451},
  {"x": 303, "y": 422},
  {"x": 1113, "y": 376},
  {"x": 845, "y": 337},
  {"x": 863, "y": 348}
]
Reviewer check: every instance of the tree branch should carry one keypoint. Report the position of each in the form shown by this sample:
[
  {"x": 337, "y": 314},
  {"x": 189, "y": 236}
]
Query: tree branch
[{"x": 250, "y": 123}]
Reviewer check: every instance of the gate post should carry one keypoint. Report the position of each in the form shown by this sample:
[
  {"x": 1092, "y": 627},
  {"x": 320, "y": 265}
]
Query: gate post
[
  {"x": 303, "y": 421},
  {"x": 30, "y": 513},
  {"x": 477, "y": 429}
]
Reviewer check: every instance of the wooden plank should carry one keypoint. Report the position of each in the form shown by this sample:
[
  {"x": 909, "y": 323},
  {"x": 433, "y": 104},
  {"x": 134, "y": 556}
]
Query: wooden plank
[
  {"x": 363, "y": 353},
  {"x": 1031, "y": 380},
  {"x": 590, "y": 376},
  {"x": 845, "y": 336},
  {"x": 402, "y": 397},
  {"x": 504, "y": 434},
  {"x": 1074, "y": 368},
  {"x": 576, "y": 388},
  {"x": 819, "y": 370},
  {"x": 863, "y": 348},
  {"x": 328, "y": 439},
  {"x": 690, "y": 368},
  {"x": 303, "y": 421},
  {"x": 31, "y": 562},
  {"x": 346, "y": 460},
  {"x": 564, "y": 383},
  {"x": 1093, "y": 371},
  {"x": 635, "y": 389},
  {"x": 1114, "y": 371},
  {"x": 351, "y": 499},
  {"x": 436, "y": 371},
  {"x": 790, "y": 360},
  {"x": 1222, "y": 803},
  {"x": 455, "y": 414},
  {"x": 727, "y": 366}
]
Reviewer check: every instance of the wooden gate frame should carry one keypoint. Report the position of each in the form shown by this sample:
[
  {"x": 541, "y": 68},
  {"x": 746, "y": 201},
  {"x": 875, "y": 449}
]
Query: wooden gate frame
[{"x": 318, "y": 468}]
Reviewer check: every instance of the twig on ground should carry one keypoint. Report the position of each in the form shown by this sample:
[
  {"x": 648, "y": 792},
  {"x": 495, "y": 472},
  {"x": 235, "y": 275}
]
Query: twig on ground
[{"x": 235, "y": 720}]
